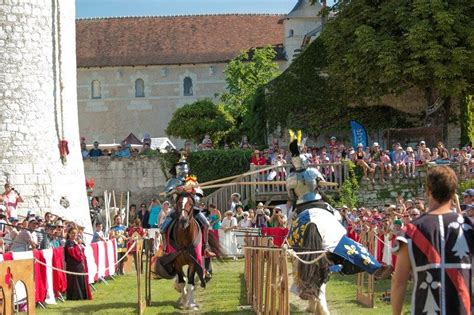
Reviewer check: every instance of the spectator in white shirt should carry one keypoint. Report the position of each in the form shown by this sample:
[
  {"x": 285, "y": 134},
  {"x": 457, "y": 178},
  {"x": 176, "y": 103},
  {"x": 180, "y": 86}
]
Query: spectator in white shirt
[{"x": 246, "y": 222}]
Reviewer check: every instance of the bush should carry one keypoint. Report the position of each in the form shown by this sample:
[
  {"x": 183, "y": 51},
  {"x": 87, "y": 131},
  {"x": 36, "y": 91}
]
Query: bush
[
  {"x": 211, "y": 165},
  {"x": 194, "y": 121}
]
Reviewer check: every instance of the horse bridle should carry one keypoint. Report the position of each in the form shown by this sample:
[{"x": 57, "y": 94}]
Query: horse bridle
[{"x": 183, "y": 201}]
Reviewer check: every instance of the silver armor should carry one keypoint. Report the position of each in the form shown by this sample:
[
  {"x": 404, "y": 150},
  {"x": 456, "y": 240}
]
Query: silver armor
[{"x": 302, "y": 184}]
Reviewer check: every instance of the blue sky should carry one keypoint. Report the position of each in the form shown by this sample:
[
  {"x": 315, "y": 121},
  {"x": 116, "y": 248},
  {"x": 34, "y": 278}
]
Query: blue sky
[{"x": 103, "y": 8}]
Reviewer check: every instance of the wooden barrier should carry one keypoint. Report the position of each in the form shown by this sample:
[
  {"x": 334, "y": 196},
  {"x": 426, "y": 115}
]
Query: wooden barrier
[
  {"x": 12, "y": 272},
  {"x": 138, "y": 267},
  {"x": 365, "y": 282},
  {"x": 266, "y": 277}
]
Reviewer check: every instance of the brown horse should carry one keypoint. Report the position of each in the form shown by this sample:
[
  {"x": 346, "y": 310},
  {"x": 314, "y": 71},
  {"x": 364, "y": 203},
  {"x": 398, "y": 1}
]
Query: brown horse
[{"x": 185, "y": 237}]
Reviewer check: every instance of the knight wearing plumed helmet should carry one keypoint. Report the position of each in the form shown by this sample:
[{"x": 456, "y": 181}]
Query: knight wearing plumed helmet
[
  {"x": 303, "y": 181},
  {"x": 182, "y": 182}
]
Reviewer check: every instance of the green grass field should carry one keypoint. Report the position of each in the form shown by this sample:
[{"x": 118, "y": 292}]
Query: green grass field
[{"x": 224, "y": 295}]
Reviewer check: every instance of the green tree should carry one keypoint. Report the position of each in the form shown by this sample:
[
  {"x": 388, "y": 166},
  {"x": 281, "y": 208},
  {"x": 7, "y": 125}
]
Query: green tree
[
  {"x": 244, "y": 75},
  {"x": 467, "y": 120},
  {"x": 304, "y": 98},
  {"x": 389, "y": 46},
  {"x": 194, "y": 121}
]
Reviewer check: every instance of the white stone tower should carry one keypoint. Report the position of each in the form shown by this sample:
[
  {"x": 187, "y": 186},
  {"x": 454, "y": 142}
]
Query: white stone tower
[
  {"x": 38, "y": 107},
  {"x": 300, "y": 22}
]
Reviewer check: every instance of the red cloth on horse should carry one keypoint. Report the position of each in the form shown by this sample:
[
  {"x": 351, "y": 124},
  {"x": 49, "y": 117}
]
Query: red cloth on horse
[
  {"x": 95, "y": 252},
  {"x": 59, "y": 278},
  {"x": 40, "y": 277},
  {"x": 197, "y": 250},
  {"x": 215, "y": 233},
  {"x": 278, "y": 234}
]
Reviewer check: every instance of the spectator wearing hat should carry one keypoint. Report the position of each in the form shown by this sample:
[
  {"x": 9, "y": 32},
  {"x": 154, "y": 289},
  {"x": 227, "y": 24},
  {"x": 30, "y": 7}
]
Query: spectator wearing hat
[
  {"x": 410, "y": 162},
  {"x": 399, "y": 160},
  {"x": 245, "y": 222},
  {"x": 229, "y": 222},
  {"x": 95, "y": 151},
  {"x": 27, "y": 238},
  {"x": 234, "y": 201}
]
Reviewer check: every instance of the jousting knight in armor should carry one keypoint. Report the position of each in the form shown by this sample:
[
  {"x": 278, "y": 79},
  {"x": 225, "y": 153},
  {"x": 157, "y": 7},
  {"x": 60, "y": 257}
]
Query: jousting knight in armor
[
  {"x": 314, "y": 227},
  {"x": 180, "y": 180}
]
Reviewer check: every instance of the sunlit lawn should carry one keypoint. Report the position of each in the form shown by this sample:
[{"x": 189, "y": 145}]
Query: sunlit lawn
[{"x": 224, "y": 294}]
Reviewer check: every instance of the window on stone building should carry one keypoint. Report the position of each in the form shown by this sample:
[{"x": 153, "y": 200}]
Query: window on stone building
[
  {"x": 291, "y": 32},
  {"x": 95, "y": 89},
  {"x": 139, "y": 88},
  {"x": 188, "y": 86}
]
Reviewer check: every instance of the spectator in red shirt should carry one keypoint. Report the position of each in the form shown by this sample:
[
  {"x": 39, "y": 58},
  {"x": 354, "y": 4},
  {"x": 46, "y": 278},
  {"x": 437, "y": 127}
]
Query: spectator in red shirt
[{"x": 258, "y": 159}]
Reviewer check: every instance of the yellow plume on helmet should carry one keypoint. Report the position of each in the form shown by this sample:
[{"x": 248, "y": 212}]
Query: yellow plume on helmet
[{"x": 295, "y": 136}]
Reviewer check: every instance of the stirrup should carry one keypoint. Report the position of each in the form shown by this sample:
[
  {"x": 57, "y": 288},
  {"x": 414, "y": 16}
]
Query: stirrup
[{"x": 208, "y": 253}]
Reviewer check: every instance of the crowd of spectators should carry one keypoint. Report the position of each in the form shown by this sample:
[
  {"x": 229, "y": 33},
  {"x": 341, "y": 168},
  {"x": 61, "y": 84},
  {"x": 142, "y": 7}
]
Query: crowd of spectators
[{"x": 398, "y": 162}]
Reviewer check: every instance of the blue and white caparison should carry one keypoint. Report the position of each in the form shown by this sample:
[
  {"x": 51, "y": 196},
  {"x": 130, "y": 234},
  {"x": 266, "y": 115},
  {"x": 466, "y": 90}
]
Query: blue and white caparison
[{"x": 314, "y": 227}]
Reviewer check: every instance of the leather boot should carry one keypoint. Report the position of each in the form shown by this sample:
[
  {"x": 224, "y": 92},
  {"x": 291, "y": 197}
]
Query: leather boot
[{"x": 207, "y": 249}]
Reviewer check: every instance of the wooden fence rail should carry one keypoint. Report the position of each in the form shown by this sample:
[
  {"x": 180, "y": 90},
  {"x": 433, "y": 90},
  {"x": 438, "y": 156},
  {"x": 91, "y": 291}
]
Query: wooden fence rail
[
  {"x": 266, "y": 277},
  {"x": 334, "y": 172}
]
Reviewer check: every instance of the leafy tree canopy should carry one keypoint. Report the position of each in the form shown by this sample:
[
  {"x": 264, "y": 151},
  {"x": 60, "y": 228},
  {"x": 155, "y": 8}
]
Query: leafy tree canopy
[
  {"x": 378, "y": 47},
  {"x": 194, "y": 121},
  {"x": 244, "y": 76},
  {"x": 304, "y": 98}
]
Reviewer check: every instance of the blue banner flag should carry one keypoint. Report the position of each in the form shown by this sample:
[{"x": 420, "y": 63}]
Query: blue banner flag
[{"x": 359, "y": 134}]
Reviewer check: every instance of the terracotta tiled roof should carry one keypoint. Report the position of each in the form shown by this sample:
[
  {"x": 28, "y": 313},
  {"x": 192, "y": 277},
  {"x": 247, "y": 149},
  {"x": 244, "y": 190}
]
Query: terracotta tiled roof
[{"x": 190, "y": 39}]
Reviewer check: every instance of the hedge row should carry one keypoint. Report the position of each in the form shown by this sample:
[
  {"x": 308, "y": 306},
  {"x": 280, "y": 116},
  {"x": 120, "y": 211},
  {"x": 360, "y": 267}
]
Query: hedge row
[{"x": 211, "y": 165}]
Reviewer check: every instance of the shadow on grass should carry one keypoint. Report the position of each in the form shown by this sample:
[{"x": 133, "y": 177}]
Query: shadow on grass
[{"x": 243, "y": 291}]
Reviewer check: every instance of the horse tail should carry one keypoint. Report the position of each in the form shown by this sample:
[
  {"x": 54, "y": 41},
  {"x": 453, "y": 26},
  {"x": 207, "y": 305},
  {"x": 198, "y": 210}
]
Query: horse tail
[
  {"x": 215, "y": 245},
  {"x": 312, "y": 276}
]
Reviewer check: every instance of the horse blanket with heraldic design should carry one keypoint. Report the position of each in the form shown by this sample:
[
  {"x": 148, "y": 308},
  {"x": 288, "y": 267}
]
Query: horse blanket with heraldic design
[{"x": 334, "y": 238}]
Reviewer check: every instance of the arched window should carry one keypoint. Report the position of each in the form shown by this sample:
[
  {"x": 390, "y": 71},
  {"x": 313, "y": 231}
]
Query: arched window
[
  {"x": 95, "y": 89},
  {"x": 139, "y": 88},
  {"x": 188, "y": 86},
  {"x": 291, "y": 32}
]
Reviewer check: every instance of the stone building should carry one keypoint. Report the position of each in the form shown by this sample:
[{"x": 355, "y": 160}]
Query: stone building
[
  {"x": 38, "y": 107},
  {"x": 301, "y": 25},
  {"x": 134, "y": 72}
]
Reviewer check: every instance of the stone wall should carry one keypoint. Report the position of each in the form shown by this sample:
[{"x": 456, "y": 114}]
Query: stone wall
[
  {"x": 38, "y": 106},
  {"x": 118, "y": 112},
  {"x": 143, "y": 177},
  {"x": 379, "y": 194}
]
